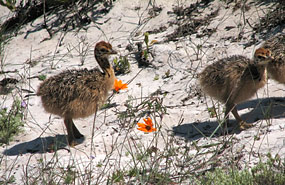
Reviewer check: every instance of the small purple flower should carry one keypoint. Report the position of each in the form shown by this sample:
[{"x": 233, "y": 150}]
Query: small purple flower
[
  {"x": 92, "y": 157},
  {"x": 23, "y": 104}
]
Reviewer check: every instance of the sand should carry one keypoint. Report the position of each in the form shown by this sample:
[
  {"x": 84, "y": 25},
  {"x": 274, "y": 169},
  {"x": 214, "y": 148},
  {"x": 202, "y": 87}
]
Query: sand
[{"x": 186, "y": 106}]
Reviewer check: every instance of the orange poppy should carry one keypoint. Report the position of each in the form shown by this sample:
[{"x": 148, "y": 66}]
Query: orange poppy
[
  {"x": 147, "y": 126},
  {"x": 118, "y": 85}
]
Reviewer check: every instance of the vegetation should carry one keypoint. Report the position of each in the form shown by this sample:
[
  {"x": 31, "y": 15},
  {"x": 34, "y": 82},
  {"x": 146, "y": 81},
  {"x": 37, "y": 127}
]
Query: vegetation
[
  {"x": 269, "y": 172},
  {"x": 137, "y": 152},
  {"x": 9, "y": 4},
  {"x": 121, "y": 65},
  {"x": 11, "y": 121}
]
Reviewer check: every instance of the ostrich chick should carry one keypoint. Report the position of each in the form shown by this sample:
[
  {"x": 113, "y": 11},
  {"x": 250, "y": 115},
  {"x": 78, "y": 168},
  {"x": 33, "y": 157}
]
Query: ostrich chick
[
  {"x": 78, "y": 93},
  {"x": 235, "y": 79},
  {"x": 276, "y": 69}
]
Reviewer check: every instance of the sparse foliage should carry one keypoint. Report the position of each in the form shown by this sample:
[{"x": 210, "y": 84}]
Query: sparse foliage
[
  {"x": 121, "y": 65},
  {"x": 11, "y": 4},
  {"x": 11, "y": 121}
]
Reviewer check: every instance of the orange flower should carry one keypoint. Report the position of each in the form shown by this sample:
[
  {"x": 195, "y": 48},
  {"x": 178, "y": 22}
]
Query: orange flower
[
  {"x": 147, "y": 126},
  {"x": 118, "y": 85}
]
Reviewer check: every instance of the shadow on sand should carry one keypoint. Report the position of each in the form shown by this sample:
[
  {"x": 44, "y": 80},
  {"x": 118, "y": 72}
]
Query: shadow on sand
[
  {"x": 40, "y": 145},
  {"x": 266, "y": 108}
]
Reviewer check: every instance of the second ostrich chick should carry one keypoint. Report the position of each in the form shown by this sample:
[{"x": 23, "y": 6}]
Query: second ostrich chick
[
  {"x": 235, "y": 79},
  {"x": 79, "y": 93},
  {"x": 276, "y": 69}
]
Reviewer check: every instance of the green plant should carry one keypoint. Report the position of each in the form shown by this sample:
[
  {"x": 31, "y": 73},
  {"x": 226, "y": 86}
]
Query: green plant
[
  {"x": 146, "y": 41},
  {"x": 222, "y": 177},
  {"x": 70, "y": 175},
  {"x": 145, "y": 54},
  {"x": 9, "y": 4},
  {"x": 117, "y": 176},
  {"x": 42, "y": 77},
  {"x": 150, "y": 176},
  {"x": 167, "y": 74},
  {"x": 121, "y": 65},
  {"x": 156, "y": 77},
  {"x": 10, "y": 180},
  {"x": 212, "y": 112},
  {"x": 107, "y": 105},
  {"x": 11, "y": 122},
  {"x": 269, "y": 172}
]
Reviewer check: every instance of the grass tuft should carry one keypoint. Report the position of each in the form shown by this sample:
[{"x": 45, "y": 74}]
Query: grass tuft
[
  {"x": 11, "y": 122},
  {"x": 270, "y": 172}
]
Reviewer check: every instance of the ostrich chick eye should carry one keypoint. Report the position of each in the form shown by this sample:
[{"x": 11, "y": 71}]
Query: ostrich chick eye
[{"x": 103, "y": 50}]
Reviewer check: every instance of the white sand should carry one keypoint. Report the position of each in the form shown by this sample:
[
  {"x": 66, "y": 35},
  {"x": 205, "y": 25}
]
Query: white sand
[{"x": 178, "y": 57}]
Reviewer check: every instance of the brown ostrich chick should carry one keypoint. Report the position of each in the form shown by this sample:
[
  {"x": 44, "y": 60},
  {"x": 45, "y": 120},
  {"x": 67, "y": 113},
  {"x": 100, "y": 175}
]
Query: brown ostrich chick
[
  {"x": 276, "y": 69},
  {"x": 79, "y": 93},
  {"x": 235, "y": 79}
]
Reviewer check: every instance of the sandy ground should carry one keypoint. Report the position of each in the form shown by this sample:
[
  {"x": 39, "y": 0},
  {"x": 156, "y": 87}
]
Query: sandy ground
[{"x": 125, "y": 24}]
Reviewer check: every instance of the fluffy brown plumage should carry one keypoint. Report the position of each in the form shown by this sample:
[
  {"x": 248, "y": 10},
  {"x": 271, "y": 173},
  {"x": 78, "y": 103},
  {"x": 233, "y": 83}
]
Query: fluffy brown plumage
[
  {"x": 235, "y": 79},
  {"x": 276, "y": 69},
  {"x": 78, "y": 93}
]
